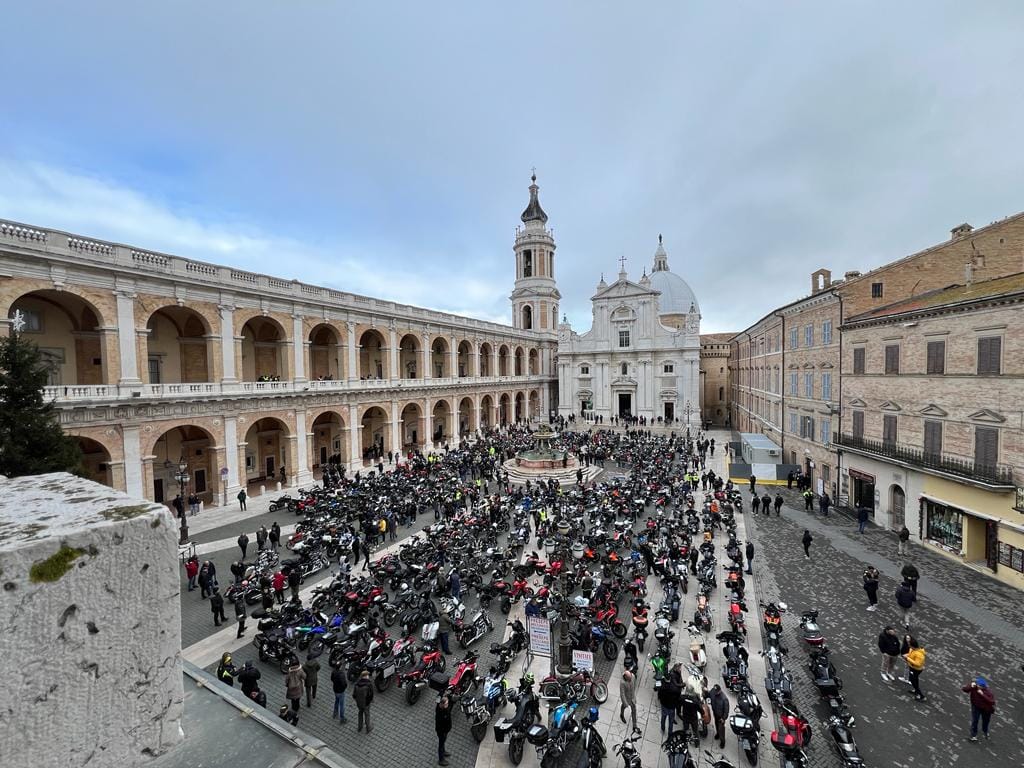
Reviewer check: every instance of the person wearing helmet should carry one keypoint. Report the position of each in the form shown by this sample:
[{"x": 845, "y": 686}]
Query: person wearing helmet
[{"x": 226, "y": 670}]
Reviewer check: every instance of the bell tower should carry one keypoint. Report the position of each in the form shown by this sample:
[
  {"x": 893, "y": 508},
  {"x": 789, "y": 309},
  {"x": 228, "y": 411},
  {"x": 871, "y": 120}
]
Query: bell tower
[{"x": 535, "y": 295}]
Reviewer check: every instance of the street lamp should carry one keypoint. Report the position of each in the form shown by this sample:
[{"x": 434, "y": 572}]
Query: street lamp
[
  {"x": 688, "y": 409},
  {"x": 566, "y": 551},
  {"x": 182, "y": 478}
]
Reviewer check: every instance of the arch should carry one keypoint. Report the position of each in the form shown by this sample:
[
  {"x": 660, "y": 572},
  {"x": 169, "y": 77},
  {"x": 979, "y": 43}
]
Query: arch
[
  {"x": 520, "y": 410},
  {"x": 264, "y": 343},
  {"x": 503, "y": 360},
  {"x": 409, "y": 357},
  {"x": 327, "y": 444},
  {"x": 373, "y": 359},
  {"x": 486, "y": 353},
  {"x": 95, "y": 460},
  {"x": 441, "y": 421},
  {"x": 486, "y": 412},
  {"x": 534, "y": 407},
  {"x": 897, "y": 507},
  {"x": 376, "y": 433},
  {"x": 465, "y": 359},
  {"x": 178, "y": 347},
  {"x": 527, "y": 317},
  {"x": 440, "y": 365},
  {"x": 504, "y": 409},
  {"x": 467, "y": 417},
  {"x": 411, "y": 425},
  {"x": 533, "y": 367},
  {"x": 267, "y": 450},
  {"x": 326, "y": 359},
  {"x": 66, "y": 328},
  {"x": 520, "y": 357},
  {"x": 193, "y": 445}
]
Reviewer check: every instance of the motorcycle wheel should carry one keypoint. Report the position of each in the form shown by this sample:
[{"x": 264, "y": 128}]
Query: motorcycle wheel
[
  {"x": 506, "y": 605},
  {"x": 412, "y": 693},
  {"x": 479, "y": 731},
  {"x": 751, "y": 754},
  {"x": 515, "y": 751},
  {"x": 382, "y": 683},
  {"x": 599, "y": 690},
  {"x": 551, "y": 690},
  {"x": 390, "y": 616},
  {"x": 263, "y": 651},
  {"x": 640, "y": 643},
  {"x": 442, "y": 665},
  {"x": 619, "y": 629},
  {"x": 610, "y": 649},
  {"x": 272, "y": 508},
  {"x": 463, "y": 640},
  {"x": 549, "y": 761},
  {"x": 316, "y": 647}
]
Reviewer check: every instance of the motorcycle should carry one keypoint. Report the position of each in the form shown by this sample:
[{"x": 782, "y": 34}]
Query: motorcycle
[
  {"x": 515, "y": 729},
  {"x": 552, "y": 743},
  {"x": 464, "y": 676},
  {"x": 594, "y": 750},
  {"x": 734, "y": 670},
  {"x": 737, "y": 621},
  {"x": 628, "y": 752},
  {"x": 478, "y": 712},
  {"x": 748, "y": 733},
  {"x": 639, "y": 623},
  {"x": 843, "y": 741},
  {"x": 778, "y": 682},
  {"x": 416, "y": 679},
  {"x": 579, "y": 685},
  {"x": 698, "y": 652},
  {"x": 809, "y": 629},
  {"x": 273, "y": 646},
  {"x": 468, "y": 634},
  {"x": 823, "y": 672},
  {"x": 678, "y": 751}
]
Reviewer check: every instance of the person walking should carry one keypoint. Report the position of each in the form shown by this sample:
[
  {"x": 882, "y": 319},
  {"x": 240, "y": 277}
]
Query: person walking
[
  {"x": 355, "y": 549},
  {"x": 755, "y": 503},
  {"x": 179, "y": 506},
  {"x": 806, "y": 540},
  {"x": 889, "y": 645},
  {"x": 808, "y": 495},
  {"x": 750, "y": 557},
  {"x": 243, "y": 543},
  {"x": 983, "y": 704},
  {"x": 363, "y": 695},
  {"x": 241, "y": 499},
  {"x": 294, "y": 681},
  {"x": 720, "y": 712},
  {"x": 442, "y": 726},
  {"x": 217, "y": 606},
  {"x": 915, "y": 658},
  {"x": 240, "y": 616},
  {"x": 339, "y": 682},
  {"x": 862, "y": 519},
  {"x": 766, "y": 504},
  {"x": 444, "y": 628},
  {"x": 870, "y": 579},
  {"x": 365, "y": 549},
  {"x": 824, "y": 502},
  {"x": 910, "y": 575},
  {"x": 905, "y": 599},
  {"x": 901, "y": 544},
  {"x": 274, "y": 536},
  {"x": 778, "y": 504},
  {"x": 312, "y": 669},
  {"x": 627, "y": 697},
  {"x": 261, "y": 538},
  {"x": 668, "y": 697}
]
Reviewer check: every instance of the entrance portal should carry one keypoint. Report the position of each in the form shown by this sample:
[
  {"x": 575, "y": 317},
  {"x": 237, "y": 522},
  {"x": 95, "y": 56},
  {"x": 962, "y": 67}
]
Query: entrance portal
[
  {"x": 625, "y": 404},
  {"x": 670, "y": 411}
]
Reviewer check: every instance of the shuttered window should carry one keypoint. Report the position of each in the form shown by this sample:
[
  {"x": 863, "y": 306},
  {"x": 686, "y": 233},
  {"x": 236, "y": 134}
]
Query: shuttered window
[
  {"x": 932, "y": 438},
  {"x": 990, "y": 351},
  {"x": 858, "y": 360},
  {"x": 986, "y": 447},
  {"x": 892, "y": 359},
  {"x": 858, "y": 423},
  {"x": 889, "y": 430},
  {"x": 936, "y": 357}
]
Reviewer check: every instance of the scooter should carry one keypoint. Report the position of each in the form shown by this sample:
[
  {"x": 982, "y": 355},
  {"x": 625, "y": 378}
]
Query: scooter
[
  {"x": 698, "y": 652},
  {"x": 843, "y": 741}
]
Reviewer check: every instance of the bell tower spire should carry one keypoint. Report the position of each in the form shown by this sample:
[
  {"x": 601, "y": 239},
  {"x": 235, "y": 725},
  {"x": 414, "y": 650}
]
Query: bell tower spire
[{"x": 535, "y": 294}]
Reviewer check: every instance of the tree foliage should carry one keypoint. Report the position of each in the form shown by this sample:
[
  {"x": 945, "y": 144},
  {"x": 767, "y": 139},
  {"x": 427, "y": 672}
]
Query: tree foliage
[{"x": 31, "y": 439}]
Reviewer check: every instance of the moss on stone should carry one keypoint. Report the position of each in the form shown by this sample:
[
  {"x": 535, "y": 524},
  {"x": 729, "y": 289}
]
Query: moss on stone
[
  {"x": 55, "y": 566},
  {"x": 125, "y": 513}
]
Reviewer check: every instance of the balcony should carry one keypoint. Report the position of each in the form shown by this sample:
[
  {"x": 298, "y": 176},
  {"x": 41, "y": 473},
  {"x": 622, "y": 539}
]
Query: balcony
[{"x": 993, "y": 476}]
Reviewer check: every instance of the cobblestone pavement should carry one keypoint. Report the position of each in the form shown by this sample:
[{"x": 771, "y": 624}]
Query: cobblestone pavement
[{"x": 961, "y": 620}]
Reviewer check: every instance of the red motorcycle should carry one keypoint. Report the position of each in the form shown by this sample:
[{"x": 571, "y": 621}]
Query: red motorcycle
[
  {"x": 737, "y": 621},
  {"x": 465, "y": 676},
  {"x": 519, "y": 590},
  {"x": 608, "y": 614},
  {"x": 417, "y": 678}
]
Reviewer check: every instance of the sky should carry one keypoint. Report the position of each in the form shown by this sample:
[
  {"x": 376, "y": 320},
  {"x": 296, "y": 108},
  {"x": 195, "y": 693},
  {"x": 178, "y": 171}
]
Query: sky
[{"x": 386, "y": 148}]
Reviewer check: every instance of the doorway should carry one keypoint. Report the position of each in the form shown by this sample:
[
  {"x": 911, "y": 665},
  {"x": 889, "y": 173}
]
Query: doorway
[
  {"x": 270, "y": 468},
  {"x": 864, "y": 494},
  {"x": 899, "y": 508},
  {"x": 158, "y": 490},
  {"x": 625, "y": 404},
  {"x": 323, "y": 455},
  {"x": 670, "y": 411}
]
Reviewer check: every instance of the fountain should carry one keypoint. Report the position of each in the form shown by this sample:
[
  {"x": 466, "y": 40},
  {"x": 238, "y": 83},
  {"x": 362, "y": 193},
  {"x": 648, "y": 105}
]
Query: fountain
[{"x": 545, "y": 461}]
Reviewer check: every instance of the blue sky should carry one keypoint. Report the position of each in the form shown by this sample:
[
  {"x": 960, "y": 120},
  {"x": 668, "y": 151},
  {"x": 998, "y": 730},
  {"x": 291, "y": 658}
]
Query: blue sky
[{"x": 385, "y": 148}]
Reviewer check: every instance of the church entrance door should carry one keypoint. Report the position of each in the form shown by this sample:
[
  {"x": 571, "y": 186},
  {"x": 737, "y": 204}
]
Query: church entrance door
[
  {"x": 625, "y": 404},
  {"x": 670, "y": 411}
]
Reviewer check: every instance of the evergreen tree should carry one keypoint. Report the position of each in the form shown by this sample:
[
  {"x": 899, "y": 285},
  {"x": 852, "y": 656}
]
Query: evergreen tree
[{"x": 31, "y": 439}]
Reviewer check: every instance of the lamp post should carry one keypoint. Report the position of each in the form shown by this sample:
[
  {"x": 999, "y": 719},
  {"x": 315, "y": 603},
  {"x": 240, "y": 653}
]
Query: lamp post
[
  {"x": 182, "y": 477},
  {"x": 567, "y": 551},
  {"x": 688, "y": 409}
]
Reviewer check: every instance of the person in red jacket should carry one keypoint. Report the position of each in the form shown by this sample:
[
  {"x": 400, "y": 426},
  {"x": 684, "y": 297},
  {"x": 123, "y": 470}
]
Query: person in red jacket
[
  {"x": 983, "y": 704},
  {"x": 192, "y": 570},
  {"x": 278, "y": 583}
]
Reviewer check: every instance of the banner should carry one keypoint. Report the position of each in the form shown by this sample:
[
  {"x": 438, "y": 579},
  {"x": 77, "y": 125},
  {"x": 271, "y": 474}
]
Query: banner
[
  {"x": 540, "y": 636},
  {"x": 583, "y": 660}
]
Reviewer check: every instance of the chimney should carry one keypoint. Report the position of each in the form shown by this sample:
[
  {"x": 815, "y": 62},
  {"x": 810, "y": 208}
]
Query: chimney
[
  {"x": 853, "y": 274},
  {"x": 820, "y": 281},
  {"x": 961, "y": 230}
]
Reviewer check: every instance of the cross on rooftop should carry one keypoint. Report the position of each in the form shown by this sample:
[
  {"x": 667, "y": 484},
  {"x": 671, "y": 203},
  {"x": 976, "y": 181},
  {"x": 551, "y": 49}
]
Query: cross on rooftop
[{"x": 622, "y": 263}]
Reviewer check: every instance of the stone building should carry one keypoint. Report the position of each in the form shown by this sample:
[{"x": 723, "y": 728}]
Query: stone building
[
  {"x": 641, "y": 356},
  {"x": 714, "y": 378},
  {"x": 932, "y": 433},
  {"x": 785, "y": 368},
  {"x": 158, "y": 359}
]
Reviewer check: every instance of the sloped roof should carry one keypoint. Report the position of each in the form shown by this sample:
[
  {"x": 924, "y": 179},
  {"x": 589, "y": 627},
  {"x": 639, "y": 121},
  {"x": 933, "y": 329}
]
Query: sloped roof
[{"x": 953, "y": 294}]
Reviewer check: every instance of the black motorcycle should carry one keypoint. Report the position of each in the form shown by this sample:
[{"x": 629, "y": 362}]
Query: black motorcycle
[{"x": 514, "y": 729}]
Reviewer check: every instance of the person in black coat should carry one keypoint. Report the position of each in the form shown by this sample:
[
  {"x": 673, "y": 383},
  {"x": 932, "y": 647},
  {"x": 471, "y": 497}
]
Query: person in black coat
[
  {"x": 806, "y": 540},
  {"x": 217, "y": 606},
  {"x": 750, "y": 557},
  {"x": 294, "y": 580},
  {"x": 243, "y": 543},
  {"x": 442, "y": 725},
  {"x": 226, "y": 670},
  {"x": 720, "y": 712},
  {"x": 240, "y": 616},
  {"x": 275, "y": 536},
  {"x": 248, "y": 678},
  {"x": 339, "y": 682}
]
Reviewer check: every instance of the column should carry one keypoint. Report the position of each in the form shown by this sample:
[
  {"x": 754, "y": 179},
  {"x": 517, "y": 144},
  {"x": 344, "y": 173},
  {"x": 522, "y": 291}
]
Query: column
[
  {"x": 232, "y": 482},
  {"x": 126, "y": 339},
  {"x": 393, "y": 372},
  {"x": 293, "y": 460},
  {"x": 428, "y": 424},
  {"x": 303, "y": 473},
  {"x": 495, "y": 371},
  {"x": 298, "y": 349},
  {"x": 355, "y": 448},
  {"x": 216, "y": 484},
  {"x": 133, "y": 463},
  {"x": 353, "y": 373},
  {"x": 227, "y": 346},
  {"x": 396, "y": 425},
  {"x": 453, "y": 358},
  {"x": 427, "y": 362}
]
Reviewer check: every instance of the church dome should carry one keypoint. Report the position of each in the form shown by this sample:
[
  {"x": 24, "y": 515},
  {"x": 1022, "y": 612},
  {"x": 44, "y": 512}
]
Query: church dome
[{"x": 677, "y": 298}]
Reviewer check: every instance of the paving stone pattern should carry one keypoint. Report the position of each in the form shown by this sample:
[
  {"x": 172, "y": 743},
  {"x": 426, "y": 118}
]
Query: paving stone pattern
[{"x": 956, "y": 620}]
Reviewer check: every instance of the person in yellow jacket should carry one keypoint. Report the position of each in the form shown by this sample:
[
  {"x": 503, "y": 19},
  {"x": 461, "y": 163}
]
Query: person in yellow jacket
[{"x": 915, "y": 657}]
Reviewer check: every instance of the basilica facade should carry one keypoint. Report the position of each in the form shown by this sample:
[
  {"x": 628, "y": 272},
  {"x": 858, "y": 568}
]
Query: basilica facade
[{"x": 641, "y": 356}]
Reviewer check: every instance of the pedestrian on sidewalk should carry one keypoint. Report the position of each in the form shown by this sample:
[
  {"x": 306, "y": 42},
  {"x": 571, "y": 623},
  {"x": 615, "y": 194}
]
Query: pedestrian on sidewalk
[
  {"x": 363, "y": 695},
  {"x": 862, "y": 519},
  {"x": 312, "y": 669},
  {"x": 277, "y": 582},
  {"x": 240, "y": 616},
  {"x": 808, "y": 500},
  {"x": 339, "y": 681},
  {"x": 241, "y": 499},
  {"x": 915, "y": 658},
  {"x": 766, "y": 504},
  {"x": 217, "y": 606},
  {"x": 755, "y": 504},
  {"x": 179, "y": 506},
  {"x": 789, "y": 480},
  {"x": 904, "y": 537},
  {"x": 905, "y": 599},
  {"x": 778, "y": 504},
  {"x": 205, "y": 580},
  {"x": 248, "y": 678},
  {"x": 442, "y": 726},
  {"x": 824, "y": 502},
  {"x": 983, "y": 704},
  {"x": 243, "y": 543},
  {"x": 193, "y": 504},
  {"x": 889, "y": 645},
  {"x": 355, "y": 549},
  {"x": 720, "y": 711},
  {"x": 750, "y": 557},
  {"x": 668, "y": 697},
  {"x": 261, "y": 538},
  {"x": 910, "y": 575},
  {"x": 293, "y": 684},
  {"x": 753, "y": 483},
  {"x": 807, "y": 539},
  {"x": 870, "y": 579},
  {"x": 627, "y": 697},
  {"x": 274, "y": 536},
  {"x": 294, "y": 580},
  {"x": 690, "y": 710},
  {"x": 191, "y": 571}
]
